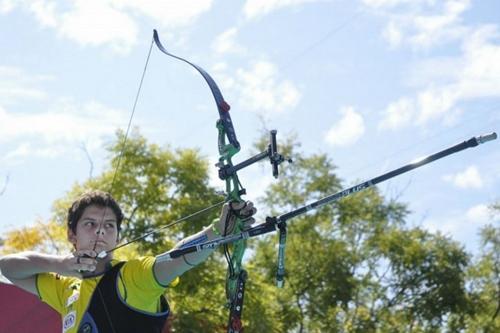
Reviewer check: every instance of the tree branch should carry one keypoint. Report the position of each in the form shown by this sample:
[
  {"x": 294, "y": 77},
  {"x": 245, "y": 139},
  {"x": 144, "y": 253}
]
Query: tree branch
[
  {"x": 83, "y": 147},
  {"x": 4, "y": 188}
]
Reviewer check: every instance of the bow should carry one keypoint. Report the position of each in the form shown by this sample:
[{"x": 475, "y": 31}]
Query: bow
[{"x": 236, "y": 276}]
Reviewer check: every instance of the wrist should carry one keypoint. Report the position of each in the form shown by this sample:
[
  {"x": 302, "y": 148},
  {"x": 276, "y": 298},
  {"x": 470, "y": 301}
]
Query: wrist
[
  {"x": 215, "y": 228},
  {"x": 56, "y": 264},
  {"x": 44, "y": 263}
]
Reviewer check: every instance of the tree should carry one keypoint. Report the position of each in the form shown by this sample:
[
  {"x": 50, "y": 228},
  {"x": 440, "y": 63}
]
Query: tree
[
  {"x": 484, "y": 280},
  {"x": 352, "y": 266}
]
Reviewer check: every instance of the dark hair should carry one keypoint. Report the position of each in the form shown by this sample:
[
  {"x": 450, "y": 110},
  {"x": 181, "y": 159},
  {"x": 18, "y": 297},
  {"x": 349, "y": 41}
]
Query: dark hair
[{"x": 98, "y": 198}]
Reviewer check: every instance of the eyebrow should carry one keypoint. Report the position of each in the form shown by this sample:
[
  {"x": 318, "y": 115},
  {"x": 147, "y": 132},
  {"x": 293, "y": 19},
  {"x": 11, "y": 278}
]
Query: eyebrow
[{"x": 93, "y": 219}]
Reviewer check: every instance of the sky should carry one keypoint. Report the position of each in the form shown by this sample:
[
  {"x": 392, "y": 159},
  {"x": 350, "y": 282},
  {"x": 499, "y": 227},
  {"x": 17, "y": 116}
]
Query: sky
[{"x": 374, "y": 84}]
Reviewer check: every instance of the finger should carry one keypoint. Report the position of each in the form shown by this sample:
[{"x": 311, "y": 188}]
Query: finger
[
  {"x": 238, "y": 205},
  {"x": 85, "y": 268},
  {"x": 89, "y": 253},
  {"x": 247, "y": 223},
  {"x": 247, "y": 212},
  {"x": 253, "y": 211},
  {"x": 85, "y": 253},
  {"x": 241, "y": 209},
  {"x": 86, "y": 261}
]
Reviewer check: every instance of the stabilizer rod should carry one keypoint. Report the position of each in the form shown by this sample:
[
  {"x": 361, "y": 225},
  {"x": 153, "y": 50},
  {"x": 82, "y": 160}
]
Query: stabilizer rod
[
  {"x": 273, "y": 223},
  {"x": 472, "y": 142}
]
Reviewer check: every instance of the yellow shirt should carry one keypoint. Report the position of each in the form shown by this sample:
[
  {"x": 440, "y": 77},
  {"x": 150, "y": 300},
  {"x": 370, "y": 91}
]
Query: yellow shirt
[{"x": 70, "y": 296}]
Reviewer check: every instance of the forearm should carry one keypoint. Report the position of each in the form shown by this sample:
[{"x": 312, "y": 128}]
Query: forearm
[
  {"x": 166, "y": 268},
  {"x": 27, "y": 264},
  {"x": 196, "y": 258}
]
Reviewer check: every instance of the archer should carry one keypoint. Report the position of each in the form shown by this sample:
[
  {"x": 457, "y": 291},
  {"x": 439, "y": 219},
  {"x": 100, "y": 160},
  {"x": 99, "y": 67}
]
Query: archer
[{"x": 92, "y": 291}]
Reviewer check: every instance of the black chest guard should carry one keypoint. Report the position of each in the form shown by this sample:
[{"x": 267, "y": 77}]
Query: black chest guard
[{"x": 108, "y": 312}]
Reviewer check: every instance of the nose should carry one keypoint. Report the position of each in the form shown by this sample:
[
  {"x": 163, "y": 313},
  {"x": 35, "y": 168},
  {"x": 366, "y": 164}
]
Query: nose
[{"x": 100, "y": 231}]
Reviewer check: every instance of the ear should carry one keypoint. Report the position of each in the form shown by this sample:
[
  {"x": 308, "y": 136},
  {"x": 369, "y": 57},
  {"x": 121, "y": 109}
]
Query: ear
[{"x": 71, "y": 237}]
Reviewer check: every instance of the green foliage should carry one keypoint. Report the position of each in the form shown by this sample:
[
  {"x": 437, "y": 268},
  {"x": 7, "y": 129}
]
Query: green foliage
[
  {"x": 484, "y": 280},
  {"x": 352, "y": 266},
  {"x": 428, "y": 277}
]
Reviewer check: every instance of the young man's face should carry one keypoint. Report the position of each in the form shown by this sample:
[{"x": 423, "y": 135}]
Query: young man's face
[{"x": 97, "y": 230}]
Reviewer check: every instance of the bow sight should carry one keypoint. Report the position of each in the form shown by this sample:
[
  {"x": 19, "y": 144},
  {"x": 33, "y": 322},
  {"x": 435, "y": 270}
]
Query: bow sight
[{"x": 225, "y": 171}]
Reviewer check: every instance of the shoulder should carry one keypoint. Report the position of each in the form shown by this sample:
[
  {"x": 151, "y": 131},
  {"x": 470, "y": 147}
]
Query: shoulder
[
  {"x": 140, "y": 272},
  {"x": 141, "y": 263}
]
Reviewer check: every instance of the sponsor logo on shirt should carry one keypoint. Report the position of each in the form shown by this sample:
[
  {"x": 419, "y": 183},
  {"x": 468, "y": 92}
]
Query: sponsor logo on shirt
[
  {"x": 72, "y": 299},
  {"x": 69, "y": 321}
]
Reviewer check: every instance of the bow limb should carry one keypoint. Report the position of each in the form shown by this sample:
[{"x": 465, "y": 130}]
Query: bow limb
[{"x": 222, "y": 105}]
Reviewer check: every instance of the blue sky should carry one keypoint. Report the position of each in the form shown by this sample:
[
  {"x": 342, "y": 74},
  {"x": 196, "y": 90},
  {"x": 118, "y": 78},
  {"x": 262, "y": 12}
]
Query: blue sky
[{"x": 373, "y": 83}]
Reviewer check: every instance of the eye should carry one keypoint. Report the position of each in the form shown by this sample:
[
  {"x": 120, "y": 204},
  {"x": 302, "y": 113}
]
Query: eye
[
  {"x": 89, "y": 223},
  {"x": 110, "y": 225}
]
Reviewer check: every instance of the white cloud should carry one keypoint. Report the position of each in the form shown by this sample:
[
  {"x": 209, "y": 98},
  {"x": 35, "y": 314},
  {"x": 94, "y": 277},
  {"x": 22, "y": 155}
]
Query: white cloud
[
  {"x": 347, "y": 130},
  {"x": 226, "y": 43},
  {"x": 256, "y": 8},
  {"x": 26, "y": 149},
  {"x": 44, "y": 12},
  {"x": 463, "y": 226},
  {"x": 96, "y": 22},
  {"x": 442, "y": 83},
  {"x": 66, "y": 123},
  {"x": 16, "y": 84},
  {"x": 220, "y": 71},
  {"x": 393, "y": 34},
  {"x": 385, "y": 3},
  {"x": 469, "y": 178},
  {"x": 114, "y": 23},
  {"x": 473, "y": 75},
  {"x": 7, "y": 6},
  {"x": 435, "y": 29},
  {"x": 435, "y": 102},
  {"x": 440, "y": 70},
  {"x": 62, "y": 130},
  {"x": 260, "y": 90},
  {"x": 398, "y": 114},
  {"x": 479, "y": 214},
  {"x": 480, "y": 76},
  {"x": 171, "y": 13},
  {"x": 421, "y": 23}
]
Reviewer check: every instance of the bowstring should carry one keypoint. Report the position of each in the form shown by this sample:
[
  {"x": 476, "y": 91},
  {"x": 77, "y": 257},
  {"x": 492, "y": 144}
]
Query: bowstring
[
  {"x": 182, "y": 219},
  {"x": 115, "y": 173}
]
